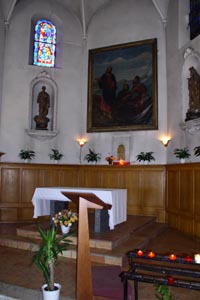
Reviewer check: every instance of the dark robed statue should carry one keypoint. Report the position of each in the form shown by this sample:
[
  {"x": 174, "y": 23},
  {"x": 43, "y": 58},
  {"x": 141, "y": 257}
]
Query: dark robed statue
[
  {"x": 43, "y": 101},
  {"x": 194, "y": 95}
]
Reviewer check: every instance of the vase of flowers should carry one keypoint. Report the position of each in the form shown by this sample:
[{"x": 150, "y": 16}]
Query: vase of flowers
[
  {"x": 110, "y": 159},
  {"x": 65, "y": 219}
]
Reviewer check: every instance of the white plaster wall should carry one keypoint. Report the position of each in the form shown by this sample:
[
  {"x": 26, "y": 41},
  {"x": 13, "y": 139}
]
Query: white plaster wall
[
  {"x": 120, "y": 22},
  {"x": 2, "y": 39},
  {"x": 123, "y": 22},
  {"x": 18, "y": 75},
  {"x": 177, "y": 86}
]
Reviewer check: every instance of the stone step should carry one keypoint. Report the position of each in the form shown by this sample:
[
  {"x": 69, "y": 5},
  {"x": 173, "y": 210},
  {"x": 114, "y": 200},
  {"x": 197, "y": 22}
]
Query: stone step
[{"x": 114, "y": 256}]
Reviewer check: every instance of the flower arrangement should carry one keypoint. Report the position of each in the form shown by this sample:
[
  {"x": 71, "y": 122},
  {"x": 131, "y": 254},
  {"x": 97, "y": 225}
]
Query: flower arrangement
[
  {"x": 65, "y": 217},
  {"x": 110, "y": 159}
]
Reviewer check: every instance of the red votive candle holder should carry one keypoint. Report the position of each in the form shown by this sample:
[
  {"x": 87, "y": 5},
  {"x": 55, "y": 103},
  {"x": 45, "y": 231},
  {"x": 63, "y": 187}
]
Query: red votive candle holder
[
  {"x": 151, "y": 254},
  {"x": 188, "y": 258},
  {"x": 170, "y": 280},
  {"x": 121, "y": 162},
  {"x": 172, "y": 257},
  {"x": 140, "y": 253}
]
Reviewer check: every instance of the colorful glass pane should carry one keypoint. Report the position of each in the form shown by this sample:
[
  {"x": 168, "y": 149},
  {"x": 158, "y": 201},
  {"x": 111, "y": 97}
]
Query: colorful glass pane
[{"x": 44, "y": 44}]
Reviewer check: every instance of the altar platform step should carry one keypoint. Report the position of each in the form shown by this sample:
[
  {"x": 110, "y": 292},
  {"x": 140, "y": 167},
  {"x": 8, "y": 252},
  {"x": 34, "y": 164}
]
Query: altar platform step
[{"x": 106, "y": 247}]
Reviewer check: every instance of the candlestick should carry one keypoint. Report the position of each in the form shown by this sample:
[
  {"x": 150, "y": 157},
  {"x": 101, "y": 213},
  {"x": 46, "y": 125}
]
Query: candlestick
[{"x": 81, "y": 143}]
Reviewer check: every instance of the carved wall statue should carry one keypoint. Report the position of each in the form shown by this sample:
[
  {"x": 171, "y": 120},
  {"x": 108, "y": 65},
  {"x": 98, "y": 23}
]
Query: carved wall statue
[
  {"x": 43, "y": 107},
  {"x": 43, "y": 101},
  {"x": 194, "y": 95}
]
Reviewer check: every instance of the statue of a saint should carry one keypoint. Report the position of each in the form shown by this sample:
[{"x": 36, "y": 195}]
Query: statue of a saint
[
  {"x": 44, "y": 103},
  {"x": 194, "y": 95}
]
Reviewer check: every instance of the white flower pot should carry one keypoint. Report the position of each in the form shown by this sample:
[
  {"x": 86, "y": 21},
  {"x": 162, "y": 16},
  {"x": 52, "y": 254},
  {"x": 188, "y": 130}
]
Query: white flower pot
[
  {"x": 65, "y": 229},
  {"x": 182, "y": 160},
  {"x": 51, "y": 295}
]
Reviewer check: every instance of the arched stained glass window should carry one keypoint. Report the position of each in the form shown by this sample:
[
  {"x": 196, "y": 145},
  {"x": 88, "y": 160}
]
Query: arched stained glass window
[{"x": 44, "y": 44}]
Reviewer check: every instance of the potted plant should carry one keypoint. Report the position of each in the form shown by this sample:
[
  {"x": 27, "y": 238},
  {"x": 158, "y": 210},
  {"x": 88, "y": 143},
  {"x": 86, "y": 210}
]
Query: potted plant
[
  {"x": 145, "y": 157},
  {"x": 92, "y": 156},
  {"x": 26, "y": 155},
  {"x": 55, "y": 155},
  {"x": 46, "y": 257},
  {"x": 197, "y": 151},
  {"x": 65, "y": 219},
  {"x": 110, "y": 159},
  {"x": 164, "y": 293},
  {"x": 182, "y": 154}
]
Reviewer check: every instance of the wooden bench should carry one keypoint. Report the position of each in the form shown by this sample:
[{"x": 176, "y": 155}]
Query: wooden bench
[{"x": 160, "y": 270}]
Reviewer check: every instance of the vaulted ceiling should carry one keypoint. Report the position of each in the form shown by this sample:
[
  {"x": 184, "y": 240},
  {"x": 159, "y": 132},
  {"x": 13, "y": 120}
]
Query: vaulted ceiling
[{"x": 83, "y": 9}]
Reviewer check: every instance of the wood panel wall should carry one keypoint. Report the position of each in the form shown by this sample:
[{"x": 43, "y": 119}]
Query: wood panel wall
[
  {"x": 145, "y": 186},
  {"x": 169, "y": 192},
  {"x": 183, "y": 197}
]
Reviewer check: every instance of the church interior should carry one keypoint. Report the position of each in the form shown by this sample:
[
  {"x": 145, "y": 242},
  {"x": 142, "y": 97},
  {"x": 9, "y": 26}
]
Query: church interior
[{"x": 107, "y": 96}]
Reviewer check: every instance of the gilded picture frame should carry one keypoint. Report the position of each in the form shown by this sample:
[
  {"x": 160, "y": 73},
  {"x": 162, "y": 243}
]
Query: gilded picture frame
[{"x": 122, "y": 87}]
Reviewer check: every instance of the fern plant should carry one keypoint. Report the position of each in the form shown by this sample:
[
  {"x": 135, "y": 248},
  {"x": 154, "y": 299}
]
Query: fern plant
[
  {"x": 145, "y": 156},
  {"x": 55, "y": 155},
  {"x": 92, "y": 156}
]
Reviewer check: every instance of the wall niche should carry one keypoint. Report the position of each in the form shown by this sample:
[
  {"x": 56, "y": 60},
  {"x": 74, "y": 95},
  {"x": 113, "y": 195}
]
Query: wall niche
[{"x": 43, "y": 107}]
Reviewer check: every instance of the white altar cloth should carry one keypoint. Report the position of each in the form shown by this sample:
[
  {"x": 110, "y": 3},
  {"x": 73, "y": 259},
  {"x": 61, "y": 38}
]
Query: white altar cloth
[{"x": 116, "y": 197}]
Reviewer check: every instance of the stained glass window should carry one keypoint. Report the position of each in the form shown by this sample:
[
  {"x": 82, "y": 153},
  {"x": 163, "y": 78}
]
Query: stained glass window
[
  {"x": 194, "y": 18},
  {"x": 44, "y": 44}
]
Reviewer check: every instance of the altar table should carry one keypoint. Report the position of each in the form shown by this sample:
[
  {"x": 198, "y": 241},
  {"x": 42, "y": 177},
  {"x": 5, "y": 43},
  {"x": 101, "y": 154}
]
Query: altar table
[{"x": 116, "y": 197}]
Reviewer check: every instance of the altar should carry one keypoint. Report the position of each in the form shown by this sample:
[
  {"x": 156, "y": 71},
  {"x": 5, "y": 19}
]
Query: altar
[{"x": 42, "y": 198}]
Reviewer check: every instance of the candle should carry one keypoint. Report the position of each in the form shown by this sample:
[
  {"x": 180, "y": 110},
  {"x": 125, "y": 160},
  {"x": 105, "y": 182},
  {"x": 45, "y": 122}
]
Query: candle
[
  {"x": 151, "y": 254},
  {"x": 197, "y": 258},
  {"x": 121, "y": 162},
  {"x": 139, "y": 253},
  {"x": 170, "y": 280},
  {"x": 188, "y": 259},
  {"x": 172, "y": 257}
]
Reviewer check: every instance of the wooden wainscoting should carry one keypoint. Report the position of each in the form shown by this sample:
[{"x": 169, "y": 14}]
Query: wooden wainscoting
[
  {"x": 145, "y": 186},
  {"x": 183, "y": 197}
]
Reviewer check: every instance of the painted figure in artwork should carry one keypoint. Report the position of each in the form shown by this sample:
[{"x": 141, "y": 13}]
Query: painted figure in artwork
[{"x": 108, "y": 84}]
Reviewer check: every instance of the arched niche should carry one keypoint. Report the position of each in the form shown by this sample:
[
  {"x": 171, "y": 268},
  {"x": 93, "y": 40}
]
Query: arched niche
[{"x": 36, "y": 86}]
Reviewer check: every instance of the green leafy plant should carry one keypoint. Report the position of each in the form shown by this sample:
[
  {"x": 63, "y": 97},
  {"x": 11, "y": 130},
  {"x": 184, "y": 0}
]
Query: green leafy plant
[
  {"x": 55, "y": 155},
  {"x": 182, "y": 153},
  {"x": 27, "y": 154},
  {"x": 197, "y": 151},
  {"x": 164, "y": 293},
  {"x": 48, "y": 251},
  {"x": 145, "y": 156},
  {"x": 92, "y": 156}
]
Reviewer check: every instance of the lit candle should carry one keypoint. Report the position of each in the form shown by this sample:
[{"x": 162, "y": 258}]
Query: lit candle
[
  {"x": 197, "y": 258},
  {"x": 188, "y": 259},
  {"x": 151, "y": 254},
  {"x": 172, "y": 257},
  {"x": 139, "y": 253}
]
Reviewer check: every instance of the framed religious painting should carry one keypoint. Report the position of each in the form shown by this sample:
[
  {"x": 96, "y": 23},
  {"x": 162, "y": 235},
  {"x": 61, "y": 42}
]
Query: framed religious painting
[{"x": 122, "y": 87}]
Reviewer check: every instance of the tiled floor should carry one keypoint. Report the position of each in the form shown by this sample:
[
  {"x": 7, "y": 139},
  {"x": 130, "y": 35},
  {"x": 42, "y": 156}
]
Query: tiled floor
[{"x": 16, "y": 268}]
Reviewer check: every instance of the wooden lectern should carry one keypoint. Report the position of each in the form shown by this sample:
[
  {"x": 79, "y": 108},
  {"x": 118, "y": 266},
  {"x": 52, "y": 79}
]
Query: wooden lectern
[{"x": 84, "y": 201}]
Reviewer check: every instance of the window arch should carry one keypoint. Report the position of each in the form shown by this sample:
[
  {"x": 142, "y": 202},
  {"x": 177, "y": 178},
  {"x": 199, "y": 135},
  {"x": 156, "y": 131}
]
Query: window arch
[{"x": 44, "y": 44}]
